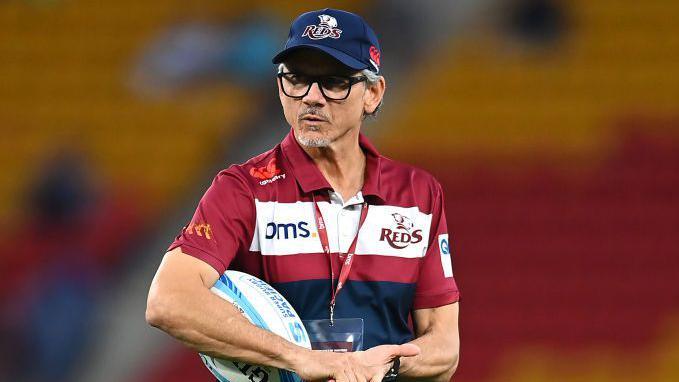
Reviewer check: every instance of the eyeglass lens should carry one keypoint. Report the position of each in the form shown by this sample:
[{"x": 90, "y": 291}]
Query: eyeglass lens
[{"x": 333, "y": 87}]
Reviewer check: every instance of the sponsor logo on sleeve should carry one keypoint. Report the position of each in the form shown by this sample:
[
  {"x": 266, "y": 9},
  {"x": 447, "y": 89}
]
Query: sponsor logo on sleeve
[
  {"x": 402, "y": 234},
  {"x": 200, "y": 229},
  {"x": 444, "y": 249}
]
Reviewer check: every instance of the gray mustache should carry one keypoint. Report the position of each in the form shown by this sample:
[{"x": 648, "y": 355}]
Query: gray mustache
[{"x": 311, "y": 111}]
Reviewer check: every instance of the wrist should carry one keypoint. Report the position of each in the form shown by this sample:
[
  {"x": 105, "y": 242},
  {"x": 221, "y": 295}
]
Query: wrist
[
  {"x": 311, "y": 365},
  {"x": 406, "y": 365},
  {"x": 392, "y": 373},
  {"x": 297, "y": 360}
]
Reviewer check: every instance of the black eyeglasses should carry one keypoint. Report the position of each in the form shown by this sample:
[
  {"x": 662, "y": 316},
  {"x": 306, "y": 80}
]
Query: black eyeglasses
[{"x": 337, "y": 88}]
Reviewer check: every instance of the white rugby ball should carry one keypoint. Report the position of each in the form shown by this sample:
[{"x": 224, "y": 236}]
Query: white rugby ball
[{"x": 267, "y": 309}]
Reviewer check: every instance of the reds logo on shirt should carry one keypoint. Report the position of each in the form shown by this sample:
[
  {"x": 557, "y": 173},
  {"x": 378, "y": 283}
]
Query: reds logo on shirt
[
  {"x": 327, "y": 27},
  {"x": 402, "y": 236},
  {"x": 402, "y": 222}
]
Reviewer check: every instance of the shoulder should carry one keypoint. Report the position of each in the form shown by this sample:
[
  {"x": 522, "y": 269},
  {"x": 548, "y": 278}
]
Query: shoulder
[
  {"x": 399, "y": 170},
  {"x": 423, "y": 189},
  {"x": 249, "y": 174}
]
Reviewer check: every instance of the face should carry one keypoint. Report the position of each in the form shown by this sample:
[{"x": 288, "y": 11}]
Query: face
[{"x": 316, "y": 120}]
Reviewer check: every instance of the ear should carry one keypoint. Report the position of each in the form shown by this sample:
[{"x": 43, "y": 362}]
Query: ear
[
  {"x": 278, "y": 82},
  {"x": 281, "y": 95},
  {"x": 373, "y": 96}
]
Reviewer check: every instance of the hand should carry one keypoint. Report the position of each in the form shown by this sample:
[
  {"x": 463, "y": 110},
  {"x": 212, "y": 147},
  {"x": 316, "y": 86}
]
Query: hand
[
  {"x": 381, "y": 358},
  {"x": 362, "y": 366}
]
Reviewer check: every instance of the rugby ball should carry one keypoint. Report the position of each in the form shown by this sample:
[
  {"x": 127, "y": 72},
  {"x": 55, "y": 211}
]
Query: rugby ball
[{"x": 267, "y": 309}]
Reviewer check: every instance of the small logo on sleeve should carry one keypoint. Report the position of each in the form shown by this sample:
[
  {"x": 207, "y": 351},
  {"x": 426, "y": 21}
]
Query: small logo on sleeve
[
  {"x": 446, "y": 262},
  {"x": 200, "y": 229}
]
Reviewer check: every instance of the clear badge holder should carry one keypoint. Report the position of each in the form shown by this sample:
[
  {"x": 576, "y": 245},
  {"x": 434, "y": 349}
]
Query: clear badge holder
[{"x": 345, "y": 335}]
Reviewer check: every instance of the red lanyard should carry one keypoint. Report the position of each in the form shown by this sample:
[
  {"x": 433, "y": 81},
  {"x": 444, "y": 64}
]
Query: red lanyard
[{"x": 346, "y": 266}]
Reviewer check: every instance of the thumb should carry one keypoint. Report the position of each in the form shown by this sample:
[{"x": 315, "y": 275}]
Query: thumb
[{"x": 407, "y": 350}]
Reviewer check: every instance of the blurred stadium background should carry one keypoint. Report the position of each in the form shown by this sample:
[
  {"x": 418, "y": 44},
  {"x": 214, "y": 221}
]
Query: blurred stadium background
[{"x": 553, "y": 126}]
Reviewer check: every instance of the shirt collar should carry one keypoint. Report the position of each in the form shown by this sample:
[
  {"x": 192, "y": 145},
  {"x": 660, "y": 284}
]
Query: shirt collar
[{"x": 310, "y": 178}]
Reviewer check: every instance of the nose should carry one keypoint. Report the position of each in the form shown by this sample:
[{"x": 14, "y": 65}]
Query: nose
[{"x": 314, "y": 96}]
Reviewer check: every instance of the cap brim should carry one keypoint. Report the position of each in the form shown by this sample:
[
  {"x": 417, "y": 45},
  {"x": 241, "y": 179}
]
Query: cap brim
[{"x": 336, "y": 54}]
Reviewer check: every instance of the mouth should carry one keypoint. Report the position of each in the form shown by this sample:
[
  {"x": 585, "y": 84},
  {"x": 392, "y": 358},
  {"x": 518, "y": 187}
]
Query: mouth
[{"x": 312, "y": 118}]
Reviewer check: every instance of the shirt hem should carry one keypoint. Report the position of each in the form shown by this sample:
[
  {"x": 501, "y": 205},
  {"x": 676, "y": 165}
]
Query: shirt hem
[{"x": 436, "y": 300}]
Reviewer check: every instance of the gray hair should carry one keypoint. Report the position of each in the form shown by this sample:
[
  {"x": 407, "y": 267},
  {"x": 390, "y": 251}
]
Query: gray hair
[{"x": 372, "y": 78}]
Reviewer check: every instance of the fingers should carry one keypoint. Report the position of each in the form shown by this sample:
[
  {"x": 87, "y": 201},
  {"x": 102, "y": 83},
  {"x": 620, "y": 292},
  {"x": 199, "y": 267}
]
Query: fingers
[
  {"x": 352, "y": 369},
  {"x": 393, "y": 351},
  {"x": 362, "y": 376},
  {"x": 351, "y": 376},
  {"x": 340, "y": 377},
  {"x": 408, "y": 350}
]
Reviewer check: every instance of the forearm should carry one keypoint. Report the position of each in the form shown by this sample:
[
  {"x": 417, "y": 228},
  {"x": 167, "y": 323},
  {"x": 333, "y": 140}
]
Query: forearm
[
  {"x": 213, "y": 326},
  {"x": 180, "y": 303},
  {"x": 437, "y": 360}
]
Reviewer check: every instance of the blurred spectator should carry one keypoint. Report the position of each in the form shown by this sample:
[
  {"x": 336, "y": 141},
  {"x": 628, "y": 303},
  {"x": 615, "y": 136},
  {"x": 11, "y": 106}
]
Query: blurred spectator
[
  {"x": 62, "y": 191},
  {"x": 50, "y": 278},
  {"x": 535, "y": 22},
  {"x": 53, "y": 268},
  {"x": 194, "y": 53}
]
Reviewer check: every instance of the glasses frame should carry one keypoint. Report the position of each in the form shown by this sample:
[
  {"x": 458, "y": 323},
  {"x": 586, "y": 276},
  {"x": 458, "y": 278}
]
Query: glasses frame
[{"x": 353, "y": 80}]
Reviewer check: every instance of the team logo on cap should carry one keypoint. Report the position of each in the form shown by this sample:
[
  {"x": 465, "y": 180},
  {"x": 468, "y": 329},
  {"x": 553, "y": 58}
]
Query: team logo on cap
[{"x": 327, "y": 27}]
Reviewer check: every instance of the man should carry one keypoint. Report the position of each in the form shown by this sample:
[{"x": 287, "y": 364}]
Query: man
[{"x": 341, "y": 231}]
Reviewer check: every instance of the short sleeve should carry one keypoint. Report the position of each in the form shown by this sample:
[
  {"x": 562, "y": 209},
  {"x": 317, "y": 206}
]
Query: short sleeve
[
  {"x": 222, "y": 225},
  {"x": 436, "y": 285}
]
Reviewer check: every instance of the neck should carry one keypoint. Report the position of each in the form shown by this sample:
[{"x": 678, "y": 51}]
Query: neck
[{"x": 342, "y": 163}]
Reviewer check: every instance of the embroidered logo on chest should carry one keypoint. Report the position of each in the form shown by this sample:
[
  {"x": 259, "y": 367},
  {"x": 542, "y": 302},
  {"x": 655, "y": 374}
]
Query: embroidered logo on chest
[
  {"x": 267, "y": 174},
  {"x": 402, "y": 234}
]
